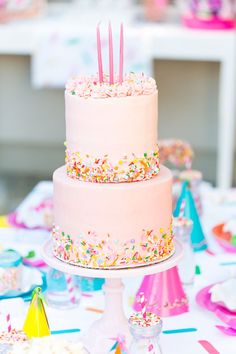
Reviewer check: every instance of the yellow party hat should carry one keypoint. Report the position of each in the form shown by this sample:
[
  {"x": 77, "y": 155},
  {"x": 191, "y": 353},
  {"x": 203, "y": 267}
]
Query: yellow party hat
[
  {"x": 36, "y": 323},
  {"x": 4, "y": 221}
]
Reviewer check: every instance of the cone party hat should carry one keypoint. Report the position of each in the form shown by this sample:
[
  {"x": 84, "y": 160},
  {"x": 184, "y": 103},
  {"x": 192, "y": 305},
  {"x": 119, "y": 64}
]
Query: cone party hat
[
  {"x": 118, "y": 350},
  {"x": 120, "y": 346},
  {"x": 36, "y": 323},
  {"x": 164, "y": 294},
  {"x": 190, "y": 211}
]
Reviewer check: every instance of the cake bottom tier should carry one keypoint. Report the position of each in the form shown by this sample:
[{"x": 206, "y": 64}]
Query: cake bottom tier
[{"x": 112, "y": 225}]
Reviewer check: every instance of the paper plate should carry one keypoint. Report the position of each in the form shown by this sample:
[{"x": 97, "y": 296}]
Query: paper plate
[
  {"x": 30, "y": 279},
  {"x": 223, "y": 238},
  {"x": 203, "y": 299}
]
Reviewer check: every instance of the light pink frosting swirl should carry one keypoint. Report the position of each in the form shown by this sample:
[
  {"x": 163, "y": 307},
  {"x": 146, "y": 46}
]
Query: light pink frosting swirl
[{"x": 132, "y": 85}]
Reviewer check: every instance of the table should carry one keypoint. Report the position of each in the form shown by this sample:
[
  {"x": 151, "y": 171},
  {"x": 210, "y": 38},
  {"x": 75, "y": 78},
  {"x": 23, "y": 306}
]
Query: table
[
  {"x": 166, "y": 41},
  {"x": 218, "y": 206},
  {"x": 113, "y": 320}
]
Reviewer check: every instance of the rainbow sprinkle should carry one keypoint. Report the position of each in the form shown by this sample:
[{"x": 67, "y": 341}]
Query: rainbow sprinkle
[
  {"x": 102, "y": 170},
  {"x": 94, "y": 251},
  {"x": 151, "y": 319},
  {"x": 14, "y": 336}
]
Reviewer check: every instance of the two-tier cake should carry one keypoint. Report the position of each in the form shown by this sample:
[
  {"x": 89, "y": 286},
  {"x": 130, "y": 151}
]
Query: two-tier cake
[{"x": 112, "y": 200}]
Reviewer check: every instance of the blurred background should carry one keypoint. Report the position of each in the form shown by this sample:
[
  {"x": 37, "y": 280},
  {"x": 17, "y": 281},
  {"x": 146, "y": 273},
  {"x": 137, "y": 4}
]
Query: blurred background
[{"x": 44, "y": 42}]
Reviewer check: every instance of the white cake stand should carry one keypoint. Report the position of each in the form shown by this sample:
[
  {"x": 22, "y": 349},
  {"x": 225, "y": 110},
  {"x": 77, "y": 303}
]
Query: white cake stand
[{"x": 113, "y": 321}]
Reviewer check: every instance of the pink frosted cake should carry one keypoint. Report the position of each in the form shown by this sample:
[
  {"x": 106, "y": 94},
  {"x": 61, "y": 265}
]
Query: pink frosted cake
[{"x": 112, "y": 200}]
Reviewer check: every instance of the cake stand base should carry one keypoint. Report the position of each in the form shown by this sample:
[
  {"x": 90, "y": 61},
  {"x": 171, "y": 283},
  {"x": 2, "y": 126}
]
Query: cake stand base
[{"x": 102, "y": 334}]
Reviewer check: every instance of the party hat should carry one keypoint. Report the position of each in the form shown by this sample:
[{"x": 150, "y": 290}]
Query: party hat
[
  {"x": 36, "y": 323},
  {"x": 120, "y": 346},
  {"x": 118, "y": 350},
  {"x": 194, "y": 180},
  {"x": 190, "y": 211},
  {"x": 164, "y": 294},
  {"x": 180, "y": 200}
]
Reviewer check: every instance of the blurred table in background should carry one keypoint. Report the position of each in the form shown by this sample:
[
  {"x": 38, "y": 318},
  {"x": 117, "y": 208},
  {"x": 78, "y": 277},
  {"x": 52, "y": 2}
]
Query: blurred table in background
[{"x": 161, "y": 41}]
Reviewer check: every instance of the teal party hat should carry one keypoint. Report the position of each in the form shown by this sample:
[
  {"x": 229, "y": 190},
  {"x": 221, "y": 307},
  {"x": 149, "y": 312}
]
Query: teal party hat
[
  {"x": 181, "y": 199},
  {"x": 190, "y": 211}
]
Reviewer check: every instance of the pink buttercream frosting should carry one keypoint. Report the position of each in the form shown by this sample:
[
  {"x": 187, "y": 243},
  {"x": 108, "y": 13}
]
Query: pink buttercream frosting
[
  {"x": 132, "y": 85},
  {"x": 107, "y": 225}
]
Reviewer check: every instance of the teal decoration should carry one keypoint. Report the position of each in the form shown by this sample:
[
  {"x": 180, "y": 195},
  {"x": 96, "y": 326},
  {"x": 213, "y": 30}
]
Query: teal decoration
[
  {"x": 180, "y": 199},
  {"x": 190, "y": 211},
  {"x": 73, "y": 41},
  {"x": 56, "y": 281},
  {"x": 114, "y": 346},
  {"x": 180, "y": 330},
  {"x": 197, "y": 270},
  {"x": 89, "y": 284}
]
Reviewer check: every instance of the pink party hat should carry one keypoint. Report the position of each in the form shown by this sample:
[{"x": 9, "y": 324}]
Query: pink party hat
[{"x": 164, "y": 294}]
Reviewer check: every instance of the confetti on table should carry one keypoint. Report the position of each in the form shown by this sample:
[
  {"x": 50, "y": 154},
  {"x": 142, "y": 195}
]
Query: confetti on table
[
  {"x": 227, "y": 263},
  {"x": 208, "y": 347},
  {"x": 65, "y": 331},
  {"x": 93, "y": 309},
  {"x": 210, "y": 252},
  {"x": 30, "y": 254},
  {"x": 86, "y": 295},
  {"x": 179, "y": 330},
  {"x": 197, "y": 270}
]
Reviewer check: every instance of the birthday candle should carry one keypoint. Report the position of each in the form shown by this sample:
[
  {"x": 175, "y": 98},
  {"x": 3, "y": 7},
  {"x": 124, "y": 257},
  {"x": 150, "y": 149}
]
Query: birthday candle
[
  {"x": 121, "y": 54},
  {"x": 111, "y": 65},
  {"x": 99, "y": 52}
]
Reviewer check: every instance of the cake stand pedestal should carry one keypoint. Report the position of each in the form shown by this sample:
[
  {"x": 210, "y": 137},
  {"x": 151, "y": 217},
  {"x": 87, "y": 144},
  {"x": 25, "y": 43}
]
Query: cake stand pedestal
[{"x": 103, "y": 332}]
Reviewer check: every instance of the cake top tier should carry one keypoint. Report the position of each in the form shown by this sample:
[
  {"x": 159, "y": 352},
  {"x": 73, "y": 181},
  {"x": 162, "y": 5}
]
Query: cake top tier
[{"x": 132, "y": 85}]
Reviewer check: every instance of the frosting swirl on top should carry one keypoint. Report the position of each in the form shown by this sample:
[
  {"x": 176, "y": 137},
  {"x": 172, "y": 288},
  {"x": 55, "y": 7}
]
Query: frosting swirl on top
[{"x": 132, "y": 85}]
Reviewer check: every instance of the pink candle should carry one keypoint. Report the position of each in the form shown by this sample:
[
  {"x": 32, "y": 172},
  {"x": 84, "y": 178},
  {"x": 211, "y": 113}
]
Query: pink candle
[
  {"x": 99, "y": 51},
  {"x": 111, "y": 65},
  {"x": 121, "y": 54}
]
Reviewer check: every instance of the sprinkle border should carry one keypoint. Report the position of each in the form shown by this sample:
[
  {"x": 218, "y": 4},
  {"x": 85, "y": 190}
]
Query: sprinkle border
[
  {"x": 102, "y": 170},
  {"x": 93, "y": 251}
]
